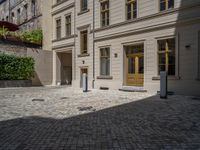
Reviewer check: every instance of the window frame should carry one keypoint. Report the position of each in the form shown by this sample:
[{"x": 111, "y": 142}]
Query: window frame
[
  {"x": 70, "y": 24},
  {"x": 176, "y": 55},
  {"x": 107, "y": 23},
  {"x": 26, "y": 12},
  {"x": 109, "y": 57},
  {"x": 82, "y": 9},
  {"x": 126, "y": 9},
  {"x": 56, "y": 33},
  {"x": 166, "y": 5},
  {"x": 82, "y": 51},
  {"x": 18, "y": 16}
]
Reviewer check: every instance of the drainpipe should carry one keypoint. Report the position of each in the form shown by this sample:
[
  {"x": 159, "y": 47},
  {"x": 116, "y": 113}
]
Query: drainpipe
[{"x": 93, "y": 44}]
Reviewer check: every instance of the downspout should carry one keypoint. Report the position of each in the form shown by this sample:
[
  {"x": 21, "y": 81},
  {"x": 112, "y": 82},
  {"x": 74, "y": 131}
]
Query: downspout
[
  {"x": 93, "y": 45},
  {"x": 74, "y": 61}
]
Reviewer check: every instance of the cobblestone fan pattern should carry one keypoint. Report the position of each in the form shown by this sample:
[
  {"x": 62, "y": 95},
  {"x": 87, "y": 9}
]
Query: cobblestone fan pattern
[{"x": 67, "y": 119}]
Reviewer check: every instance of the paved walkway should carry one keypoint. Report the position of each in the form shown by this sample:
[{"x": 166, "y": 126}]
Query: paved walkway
[{"x": 65, "y": 118}]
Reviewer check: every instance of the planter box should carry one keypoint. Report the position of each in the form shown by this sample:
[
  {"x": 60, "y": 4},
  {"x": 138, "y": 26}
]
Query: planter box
[{"x": 15, "y": 83}]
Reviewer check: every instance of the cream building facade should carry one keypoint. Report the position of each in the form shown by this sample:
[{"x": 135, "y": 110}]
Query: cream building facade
[{"x": 124, "y": 44}]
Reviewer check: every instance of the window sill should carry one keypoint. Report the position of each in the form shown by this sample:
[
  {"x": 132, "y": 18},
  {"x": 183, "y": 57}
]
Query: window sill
[
  {"x": 105, "y": 77},
  {"x": 169, "y": 78},
  {"x": 83, "y": 12},
  {"x": 83, "y": 55},
  {"x": 63, "y": 38}
]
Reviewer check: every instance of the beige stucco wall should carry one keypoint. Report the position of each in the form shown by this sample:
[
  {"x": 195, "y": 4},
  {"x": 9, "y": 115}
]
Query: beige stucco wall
[
  {"x": 43, "y": 66},
  {"x": 182, "y": 22}
]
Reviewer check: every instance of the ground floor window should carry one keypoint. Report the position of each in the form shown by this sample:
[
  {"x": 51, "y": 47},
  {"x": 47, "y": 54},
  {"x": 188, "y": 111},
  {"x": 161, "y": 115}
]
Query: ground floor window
[
  {"x": 105, "y": 61},
  {"x": 166, "y": 56}
]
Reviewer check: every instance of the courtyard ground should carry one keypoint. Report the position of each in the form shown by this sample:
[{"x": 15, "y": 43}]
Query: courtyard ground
[{"x": 55, "y": 118}]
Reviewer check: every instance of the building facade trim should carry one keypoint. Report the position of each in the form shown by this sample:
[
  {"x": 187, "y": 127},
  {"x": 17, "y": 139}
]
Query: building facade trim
[
  {"x": 147, "y": 29},
  {"x": 63, "y": 9}
]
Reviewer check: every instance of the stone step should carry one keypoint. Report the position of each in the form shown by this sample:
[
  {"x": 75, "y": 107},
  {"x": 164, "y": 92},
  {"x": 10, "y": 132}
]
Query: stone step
[{"x": 132, "y": 89}]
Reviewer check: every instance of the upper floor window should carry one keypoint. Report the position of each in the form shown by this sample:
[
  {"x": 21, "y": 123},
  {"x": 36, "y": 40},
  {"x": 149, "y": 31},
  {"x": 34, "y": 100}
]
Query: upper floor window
[
  {"x": 25, "y": 12},
  {"x": 131, "y": 8},
  {"x": 58, "y": 28},
  {"x": 18, "y": 16},
  {"x": 104, "y": 13},
  {"x": 84, "y": 41},
  {"x": 68, "y": 25},
  {"x": 105, "y": 61},
  {"x": 84, "y": 5},
  {"x": 12, "y": 17},
  {"x": 166, "y": 56},
  {"x": 33, "y": 8},
  {"x": 166, "y": 4}
]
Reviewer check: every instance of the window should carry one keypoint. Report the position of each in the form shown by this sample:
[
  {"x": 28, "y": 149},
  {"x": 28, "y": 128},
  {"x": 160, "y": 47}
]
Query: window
[
  {"x": 12, "y": 17},
  {"x": 68, "y": 25},
  {"x": 58, "y": 28},
  {"x": 166, "y": 4},
  {"x": 84, "y": 5},
  {"x": 33, "y": 8},
  {"x": 105, "y": 13},
  {"x": 84, "y": 41},
  {"x": 105, "y": 61},
  {"x": 131, "y": 8},
  {"x": 166, "y": 56},
  {"x": 18, "y": 16},
  {"x": 25, "y": 12}
]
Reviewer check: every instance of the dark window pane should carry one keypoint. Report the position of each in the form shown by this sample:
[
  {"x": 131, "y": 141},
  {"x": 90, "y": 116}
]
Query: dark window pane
[
  {"x": 141, "y": 65},
  {"x": 171, "y": 70},
  {"x": 162, "y": 5},
  {"x": 131, "y": 65},
  {"x": 162, "y": 59},
  {"x": 171, "y": 4}
]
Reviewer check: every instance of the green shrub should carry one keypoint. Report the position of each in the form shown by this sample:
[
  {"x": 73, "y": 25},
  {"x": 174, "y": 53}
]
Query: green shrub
[
  {"x": 15, "y": 67},
  {"x": 34, "y": 36}
]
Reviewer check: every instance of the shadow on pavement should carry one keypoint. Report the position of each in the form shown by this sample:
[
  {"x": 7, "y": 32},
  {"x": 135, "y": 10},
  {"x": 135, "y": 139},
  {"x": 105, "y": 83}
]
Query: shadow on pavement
[{"x": 146, "y": 124}]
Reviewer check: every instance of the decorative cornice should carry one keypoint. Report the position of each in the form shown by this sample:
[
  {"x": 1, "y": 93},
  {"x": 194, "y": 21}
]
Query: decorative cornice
[
  {"x": 146, "y": 29},
  {"x": 57, "y": 4},
  {"x": 63, "y": 46},
  {"x": 64, "y": 38},
  {"x": 63, "y": 9}
]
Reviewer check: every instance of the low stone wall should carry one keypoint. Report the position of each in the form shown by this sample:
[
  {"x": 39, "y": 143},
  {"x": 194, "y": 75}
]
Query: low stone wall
[{"x": 15, "y": 83}]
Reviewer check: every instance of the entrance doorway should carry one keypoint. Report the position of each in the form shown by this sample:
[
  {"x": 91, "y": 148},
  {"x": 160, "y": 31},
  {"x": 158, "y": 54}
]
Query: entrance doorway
[
  {"x": 134, "y": 65},
  {"x": 64, "y": 68},
  {"x": 82, "y": 71}
]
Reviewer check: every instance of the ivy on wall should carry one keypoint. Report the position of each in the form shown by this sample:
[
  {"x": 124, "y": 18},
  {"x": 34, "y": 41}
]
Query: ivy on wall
[{"x": 16, "y": 68}]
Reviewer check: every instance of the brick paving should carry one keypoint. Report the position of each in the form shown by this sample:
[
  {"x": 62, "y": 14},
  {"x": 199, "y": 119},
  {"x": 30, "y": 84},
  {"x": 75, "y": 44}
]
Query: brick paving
[{"x": 67, "y": 119}]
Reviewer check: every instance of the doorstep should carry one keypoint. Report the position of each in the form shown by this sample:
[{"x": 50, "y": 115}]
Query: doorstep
[{"x": 132, "y": 89}]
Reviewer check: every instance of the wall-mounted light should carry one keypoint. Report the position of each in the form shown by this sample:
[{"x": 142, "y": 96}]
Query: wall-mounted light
[
  {"x": 116, "y": 55},
  {"x": 83, "y": 61}
]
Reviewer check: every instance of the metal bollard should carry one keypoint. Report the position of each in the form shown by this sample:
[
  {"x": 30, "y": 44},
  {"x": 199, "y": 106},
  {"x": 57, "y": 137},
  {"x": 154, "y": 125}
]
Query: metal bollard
[
  {"x": 85, "y": 82},
  {"x": 163, "y": 85}
]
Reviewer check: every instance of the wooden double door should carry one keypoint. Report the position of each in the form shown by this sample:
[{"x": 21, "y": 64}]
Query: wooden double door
[{"x": 135, "y": 65}]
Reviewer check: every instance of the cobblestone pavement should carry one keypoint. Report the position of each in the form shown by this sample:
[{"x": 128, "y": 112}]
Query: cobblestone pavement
[{"x": 62, "y": 118}]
